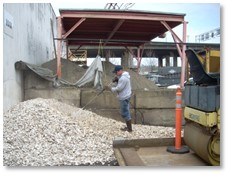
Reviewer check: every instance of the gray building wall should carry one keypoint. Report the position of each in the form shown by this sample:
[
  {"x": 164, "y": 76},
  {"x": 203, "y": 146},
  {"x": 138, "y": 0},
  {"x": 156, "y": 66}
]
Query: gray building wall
[{"x": 27, "y": 36}]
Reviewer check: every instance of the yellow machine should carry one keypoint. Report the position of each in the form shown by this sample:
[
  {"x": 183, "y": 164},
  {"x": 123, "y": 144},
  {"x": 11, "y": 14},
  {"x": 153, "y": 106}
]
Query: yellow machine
[{"x": 202, "y": 105}]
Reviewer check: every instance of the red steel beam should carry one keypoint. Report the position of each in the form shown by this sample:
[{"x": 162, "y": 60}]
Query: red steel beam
[
  {"x": 73, "y": 28},
  {"x": 175, "y": 37},
  {"x": 117, "y": 26},
  {"x": 59, "y": 30},
  {"x": 180, "y": 51},
  {"x": 123, "y": 15},
  {"x": 172, "y": 32},
  {"x": 183, "y": 66}
]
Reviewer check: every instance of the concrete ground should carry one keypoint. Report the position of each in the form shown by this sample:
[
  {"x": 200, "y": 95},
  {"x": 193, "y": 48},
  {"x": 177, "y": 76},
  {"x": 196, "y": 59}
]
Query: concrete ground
[
  {"x": 158, "y": 156},
  {"x": 153, "y": 152}
]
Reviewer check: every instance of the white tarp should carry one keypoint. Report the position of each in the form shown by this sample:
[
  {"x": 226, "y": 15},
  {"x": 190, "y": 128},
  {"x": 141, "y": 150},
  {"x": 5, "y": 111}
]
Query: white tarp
[{"x": 93, "y": 73}]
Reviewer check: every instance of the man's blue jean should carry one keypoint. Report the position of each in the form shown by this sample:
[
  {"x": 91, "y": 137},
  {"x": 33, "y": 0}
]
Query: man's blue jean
[{"x": 125, "y": 109}]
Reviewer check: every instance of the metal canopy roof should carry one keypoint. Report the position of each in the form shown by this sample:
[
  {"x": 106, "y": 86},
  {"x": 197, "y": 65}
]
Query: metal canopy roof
[{"x": 115, "y": 27}]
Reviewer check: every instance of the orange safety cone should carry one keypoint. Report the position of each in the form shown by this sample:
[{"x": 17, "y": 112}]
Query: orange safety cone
[{"x": 178, "y": 148}]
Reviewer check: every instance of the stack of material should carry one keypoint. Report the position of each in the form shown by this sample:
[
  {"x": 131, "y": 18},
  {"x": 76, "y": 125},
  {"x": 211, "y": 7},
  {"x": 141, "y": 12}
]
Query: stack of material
[
  {"x": 46, "y": 132},
  {"x": 138, "y": 82},
  {"x": 71, "y": 72}
]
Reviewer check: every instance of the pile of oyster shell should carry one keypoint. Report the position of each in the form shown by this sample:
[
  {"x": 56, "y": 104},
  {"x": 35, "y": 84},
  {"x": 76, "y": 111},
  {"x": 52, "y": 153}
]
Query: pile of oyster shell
[{"x": 46, "y": 132}]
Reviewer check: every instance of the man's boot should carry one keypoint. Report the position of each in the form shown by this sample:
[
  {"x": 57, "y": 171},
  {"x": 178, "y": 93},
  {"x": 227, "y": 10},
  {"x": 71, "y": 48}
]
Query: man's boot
[
  {"x": 125, "y": 128},
  {"x": 129, "y": 126}
]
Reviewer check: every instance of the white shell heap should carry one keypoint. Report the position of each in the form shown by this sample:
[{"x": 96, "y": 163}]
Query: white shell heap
[{"x": 46, "y": 132}]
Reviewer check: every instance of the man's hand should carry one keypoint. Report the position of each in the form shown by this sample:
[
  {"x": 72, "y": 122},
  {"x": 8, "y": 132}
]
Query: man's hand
[
  {"x": 115, "y": 79},
  {"x": 107, "y": 88}
]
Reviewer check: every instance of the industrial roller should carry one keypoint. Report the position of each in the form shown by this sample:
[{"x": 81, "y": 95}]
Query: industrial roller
[
  {"x": 202, "y": 105},
  {"x": 203, "y": 143}
]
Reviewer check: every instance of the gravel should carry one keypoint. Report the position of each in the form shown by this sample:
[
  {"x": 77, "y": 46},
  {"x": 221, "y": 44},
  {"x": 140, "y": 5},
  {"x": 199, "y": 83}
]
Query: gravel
[{"x": 46, "y": 132}]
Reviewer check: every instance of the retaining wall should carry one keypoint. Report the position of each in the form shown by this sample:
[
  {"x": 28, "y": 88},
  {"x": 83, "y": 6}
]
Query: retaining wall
[{"x": 154, "y": 107}]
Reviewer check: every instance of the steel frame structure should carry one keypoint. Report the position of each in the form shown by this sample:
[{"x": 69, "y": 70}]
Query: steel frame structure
[{"x": 118, "y": 28}]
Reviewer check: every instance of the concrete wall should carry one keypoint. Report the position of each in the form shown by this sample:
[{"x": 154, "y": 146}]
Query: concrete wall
[
  {"x": 154, "y": 107},
  {"x": 27, "y": 36}
]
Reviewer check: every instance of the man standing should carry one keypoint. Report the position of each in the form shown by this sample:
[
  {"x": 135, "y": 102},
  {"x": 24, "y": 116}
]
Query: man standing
[{"x": 123, "y": 90}]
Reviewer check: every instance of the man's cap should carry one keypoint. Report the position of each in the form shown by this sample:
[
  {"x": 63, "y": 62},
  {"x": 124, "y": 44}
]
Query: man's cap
[{"x": 117, "y": 68}]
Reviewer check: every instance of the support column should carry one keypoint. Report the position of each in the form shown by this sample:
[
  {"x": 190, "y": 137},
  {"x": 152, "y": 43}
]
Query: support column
[
  {"x": 59, "y": 41},
  {"x": 124, "y": 59},
  {"x": 130, "y": 60},
  {"x": 139, "y": 60},
  {"x": 167, "y": 60},
  {"x": 160, "y": 62},
  {"x": 183, "y": 55},
  {"x": 67, "y": 52},
  {"x": 174, "y": 61}
]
